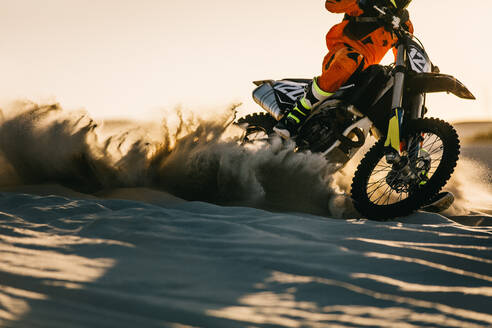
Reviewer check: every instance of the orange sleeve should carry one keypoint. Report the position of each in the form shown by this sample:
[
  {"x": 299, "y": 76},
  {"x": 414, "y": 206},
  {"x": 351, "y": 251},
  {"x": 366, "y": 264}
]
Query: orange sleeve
[{"x": 343, "y": 6}]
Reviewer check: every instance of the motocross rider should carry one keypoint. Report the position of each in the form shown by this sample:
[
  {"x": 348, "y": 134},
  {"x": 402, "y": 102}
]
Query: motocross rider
[{"x": 360, "y": 40}]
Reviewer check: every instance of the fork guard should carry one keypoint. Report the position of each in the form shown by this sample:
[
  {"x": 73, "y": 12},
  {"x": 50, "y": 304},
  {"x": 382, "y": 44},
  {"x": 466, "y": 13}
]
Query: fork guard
[{"x": 436, "y": 82}]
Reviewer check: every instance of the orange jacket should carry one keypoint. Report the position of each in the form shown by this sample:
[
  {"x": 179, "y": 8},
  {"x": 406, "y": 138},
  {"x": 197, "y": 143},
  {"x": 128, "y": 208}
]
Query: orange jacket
[{"x": 372, "y": 46}]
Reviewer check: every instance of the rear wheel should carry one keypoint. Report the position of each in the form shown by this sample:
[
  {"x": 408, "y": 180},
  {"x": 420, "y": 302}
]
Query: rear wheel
[
  {"x": 258, "y": 127},
  {"x": 381, "y": 190}
]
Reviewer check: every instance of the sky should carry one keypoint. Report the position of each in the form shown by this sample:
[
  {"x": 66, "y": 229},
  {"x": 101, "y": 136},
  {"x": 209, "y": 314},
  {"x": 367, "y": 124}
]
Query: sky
[{"x": 139, "y": 58}]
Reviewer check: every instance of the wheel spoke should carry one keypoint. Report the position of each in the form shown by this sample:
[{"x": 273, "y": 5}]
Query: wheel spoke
[
  {"x": 382, "y": 195},
  {"x": 376, "y": 189},
  {"x": 385, "y": 190}
]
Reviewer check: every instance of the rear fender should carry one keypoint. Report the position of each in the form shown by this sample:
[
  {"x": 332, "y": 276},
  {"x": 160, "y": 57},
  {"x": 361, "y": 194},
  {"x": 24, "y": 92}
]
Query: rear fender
[{"x": 435, "y": 82}]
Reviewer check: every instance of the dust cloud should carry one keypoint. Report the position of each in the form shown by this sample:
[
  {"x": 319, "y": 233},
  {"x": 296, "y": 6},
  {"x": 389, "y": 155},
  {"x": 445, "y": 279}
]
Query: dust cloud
[
  {"x": 471, "y": 187},
  {"x": 188, "y": 157}
]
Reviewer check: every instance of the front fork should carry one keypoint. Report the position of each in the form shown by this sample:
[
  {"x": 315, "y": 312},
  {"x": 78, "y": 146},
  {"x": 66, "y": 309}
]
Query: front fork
[
  {"x": 404, "y": 164},
  {"x": 396, "y": 120}
]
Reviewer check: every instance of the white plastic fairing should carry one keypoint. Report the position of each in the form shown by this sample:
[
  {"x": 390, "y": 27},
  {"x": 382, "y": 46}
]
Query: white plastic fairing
[
  {"x": 293, "y": 90},
  {"x": 264, "y": 96},
  {"x": 418, "y": 60}
]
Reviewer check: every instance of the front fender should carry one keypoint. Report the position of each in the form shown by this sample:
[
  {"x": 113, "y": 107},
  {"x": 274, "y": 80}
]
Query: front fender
[{"x": 435, "y": 82}]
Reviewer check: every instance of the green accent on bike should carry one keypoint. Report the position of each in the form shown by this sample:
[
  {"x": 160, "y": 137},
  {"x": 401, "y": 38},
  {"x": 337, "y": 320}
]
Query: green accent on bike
[
  {"x": 292, "y": 116},
  {"x": 393, "y": 138},
  {"x": 394, "y": 3},
  {"x": 300, "y": 111},
  {"x": 424, "y": 175}
]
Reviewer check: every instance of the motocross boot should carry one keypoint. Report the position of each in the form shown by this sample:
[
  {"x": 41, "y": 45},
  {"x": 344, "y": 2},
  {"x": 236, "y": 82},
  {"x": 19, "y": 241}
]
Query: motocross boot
[{"x": 289, "y": 125}]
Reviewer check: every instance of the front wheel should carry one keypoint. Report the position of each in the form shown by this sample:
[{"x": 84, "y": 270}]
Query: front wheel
[{"x": 382, "y": 191}]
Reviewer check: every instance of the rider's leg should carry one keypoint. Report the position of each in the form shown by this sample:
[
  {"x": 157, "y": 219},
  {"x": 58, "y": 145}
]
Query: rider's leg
[
  {"x": 338, "y": 67},
  {"x": 292, "y": 120}
]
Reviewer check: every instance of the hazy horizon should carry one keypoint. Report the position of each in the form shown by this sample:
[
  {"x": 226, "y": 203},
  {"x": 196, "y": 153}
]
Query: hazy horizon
[{"x": 134, "y": 58}]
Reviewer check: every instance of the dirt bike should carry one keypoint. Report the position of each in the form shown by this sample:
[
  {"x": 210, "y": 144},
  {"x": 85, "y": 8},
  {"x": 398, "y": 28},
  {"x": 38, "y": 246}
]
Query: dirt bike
[{"x": 363, "y": 106}]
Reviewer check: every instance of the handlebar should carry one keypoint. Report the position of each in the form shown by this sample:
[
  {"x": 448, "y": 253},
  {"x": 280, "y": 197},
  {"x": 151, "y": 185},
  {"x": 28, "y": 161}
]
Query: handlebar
[{"x": 392, "y": 21}]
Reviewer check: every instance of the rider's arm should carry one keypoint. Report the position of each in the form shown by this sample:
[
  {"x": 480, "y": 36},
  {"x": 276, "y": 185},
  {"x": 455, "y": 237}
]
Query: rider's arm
[{"x": 350, "y": 7}]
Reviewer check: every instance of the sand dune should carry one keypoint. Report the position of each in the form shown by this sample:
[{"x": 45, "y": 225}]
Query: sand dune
[{"x": 69, "y": 262}]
